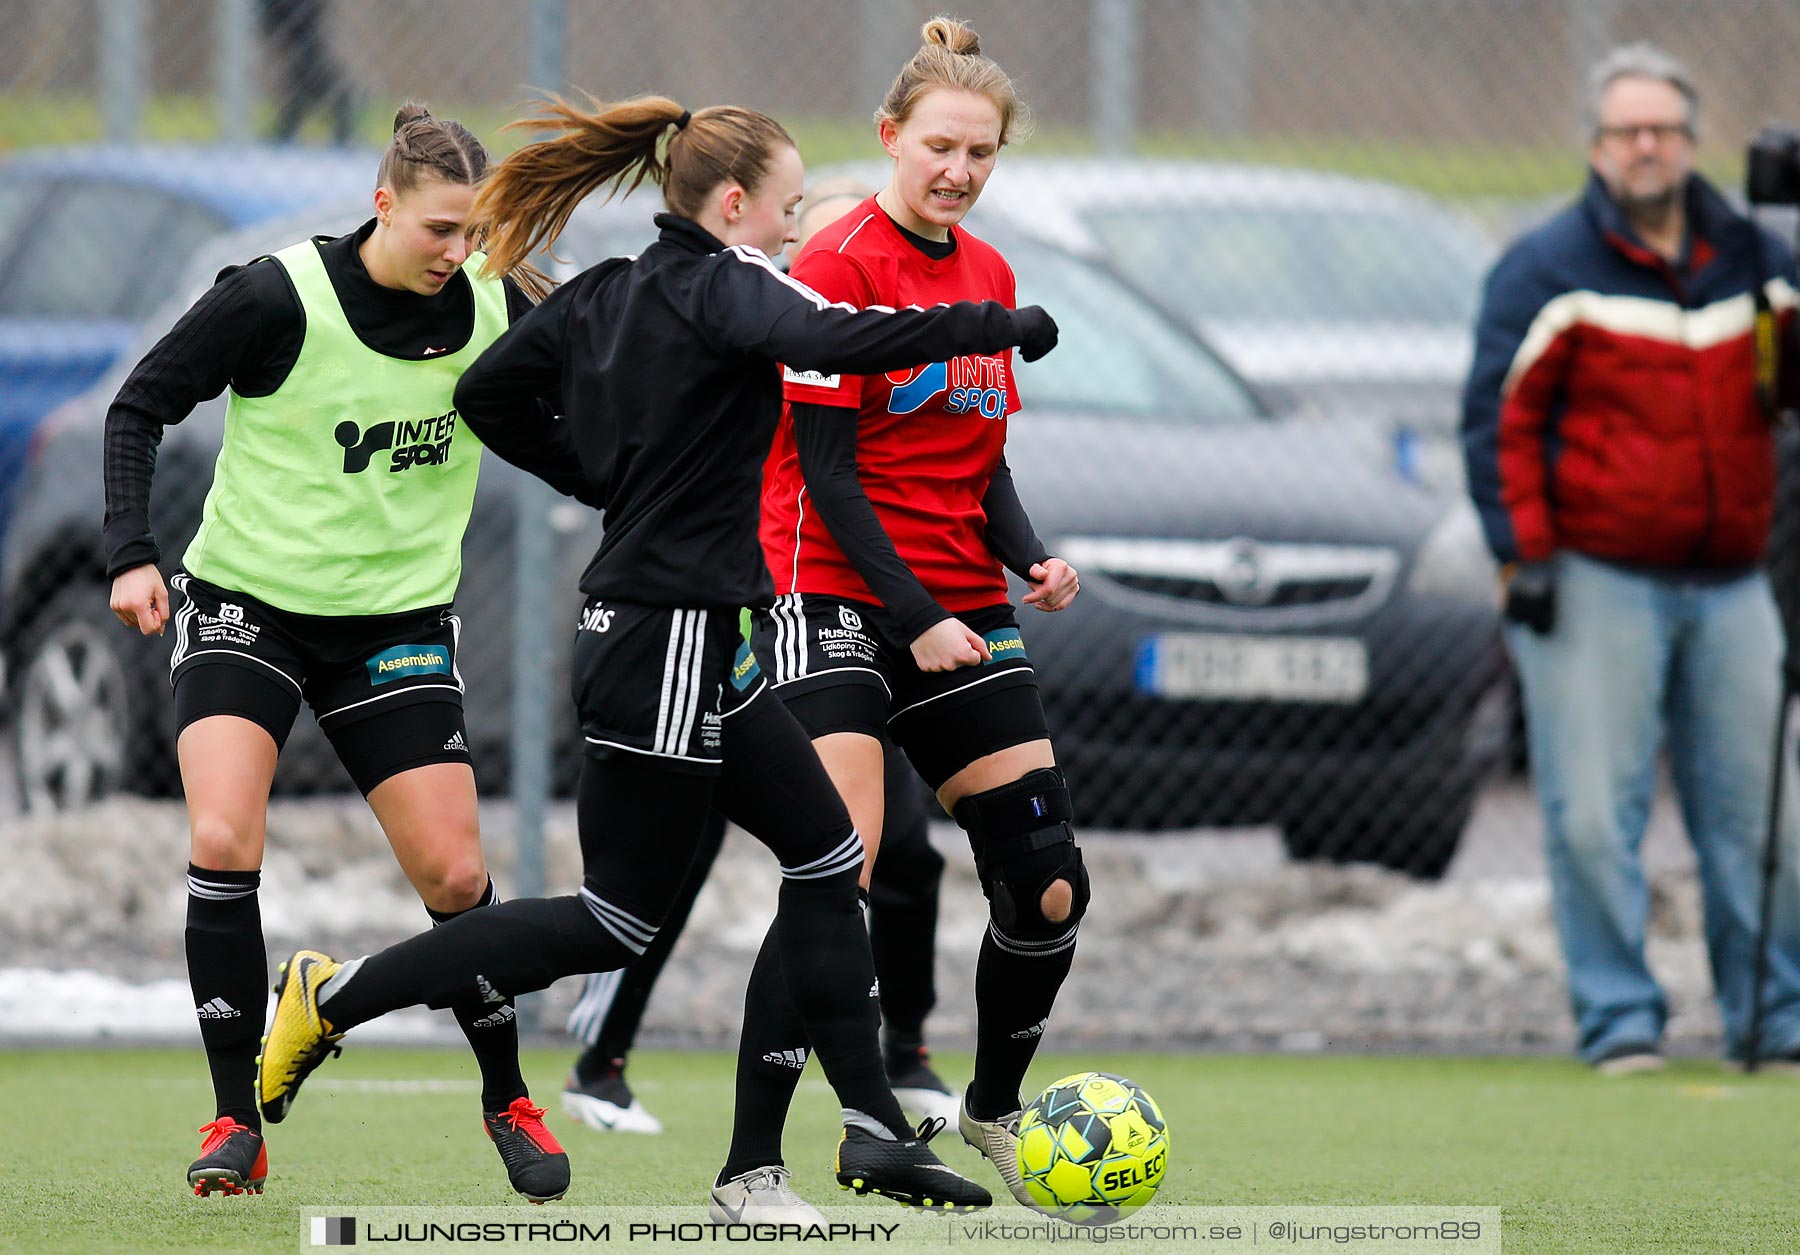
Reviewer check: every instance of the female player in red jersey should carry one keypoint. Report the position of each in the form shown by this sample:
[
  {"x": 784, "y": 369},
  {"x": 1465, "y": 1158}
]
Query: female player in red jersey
[{"x": 889, "y": 538}]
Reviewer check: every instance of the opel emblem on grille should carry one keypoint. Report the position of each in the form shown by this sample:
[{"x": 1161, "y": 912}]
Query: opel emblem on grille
[{"x": 1246, "y": 579}]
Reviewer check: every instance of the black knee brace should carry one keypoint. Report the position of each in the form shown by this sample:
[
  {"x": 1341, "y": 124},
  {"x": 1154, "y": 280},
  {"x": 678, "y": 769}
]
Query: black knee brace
[{"x": 1023, "y": 843}]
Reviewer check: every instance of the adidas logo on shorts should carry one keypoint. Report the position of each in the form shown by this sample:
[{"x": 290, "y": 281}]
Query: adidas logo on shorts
[
  {"x": 1036, "y": 1030},
  {"x": 487, "y": 990},
  {"x": 217, "y": 1009},
  {"x": 457, "y": 743},
  {"x": 795, "y": 1059}
]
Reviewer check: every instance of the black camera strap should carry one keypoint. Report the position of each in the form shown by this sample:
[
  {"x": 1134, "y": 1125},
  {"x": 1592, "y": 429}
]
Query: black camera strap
[{"x": 1767, "y": 330}]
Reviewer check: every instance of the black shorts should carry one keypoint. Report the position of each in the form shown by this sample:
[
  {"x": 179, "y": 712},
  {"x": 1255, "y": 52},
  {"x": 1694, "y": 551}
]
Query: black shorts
[
  {"x": 384, "y": 688},
  {"x": 837, "y": 666},
  {"x": 659, "y": 681}
]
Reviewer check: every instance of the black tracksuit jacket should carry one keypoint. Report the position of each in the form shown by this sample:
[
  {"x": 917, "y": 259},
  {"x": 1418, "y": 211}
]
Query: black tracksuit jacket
[{"x": 664, "y": 369}]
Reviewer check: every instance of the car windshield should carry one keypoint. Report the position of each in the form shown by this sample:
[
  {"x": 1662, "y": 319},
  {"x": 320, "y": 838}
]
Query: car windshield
[
  {"x": 1298, "y": 263},
  {"x": 110, "y": 250},
  {"x": 1116, "y": 352}
]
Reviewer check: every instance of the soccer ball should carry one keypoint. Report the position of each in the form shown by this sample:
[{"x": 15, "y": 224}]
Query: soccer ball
[{"x": 1092, "y": 1148}]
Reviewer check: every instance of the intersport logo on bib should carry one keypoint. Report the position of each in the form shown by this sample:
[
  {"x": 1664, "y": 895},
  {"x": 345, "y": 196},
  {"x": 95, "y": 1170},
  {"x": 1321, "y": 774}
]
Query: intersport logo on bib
[{"x": 415, "y": 442}]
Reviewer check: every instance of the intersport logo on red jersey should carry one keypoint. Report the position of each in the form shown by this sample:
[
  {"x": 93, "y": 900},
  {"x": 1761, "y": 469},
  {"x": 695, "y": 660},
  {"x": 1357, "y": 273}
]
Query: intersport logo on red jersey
[{"x": 973, "y": 384}]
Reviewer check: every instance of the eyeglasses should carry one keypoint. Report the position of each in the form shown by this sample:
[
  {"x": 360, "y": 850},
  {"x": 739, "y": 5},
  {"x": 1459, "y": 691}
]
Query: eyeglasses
[{"x": 1661, "y": 132}]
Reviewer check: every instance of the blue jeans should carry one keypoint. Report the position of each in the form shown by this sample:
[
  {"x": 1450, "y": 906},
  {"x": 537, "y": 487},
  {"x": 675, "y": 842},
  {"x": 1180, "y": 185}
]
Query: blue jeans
[{"x": 1630, "y": 657}]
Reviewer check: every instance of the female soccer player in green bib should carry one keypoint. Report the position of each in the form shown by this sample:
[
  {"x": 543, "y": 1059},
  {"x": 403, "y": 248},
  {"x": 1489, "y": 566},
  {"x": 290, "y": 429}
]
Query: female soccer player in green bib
[{"x": 324, "y": 569}]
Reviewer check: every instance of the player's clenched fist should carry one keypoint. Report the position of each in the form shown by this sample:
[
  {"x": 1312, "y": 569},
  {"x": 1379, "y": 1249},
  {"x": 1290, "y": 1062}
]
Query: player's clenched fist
[{"x": 141, "y": 599}]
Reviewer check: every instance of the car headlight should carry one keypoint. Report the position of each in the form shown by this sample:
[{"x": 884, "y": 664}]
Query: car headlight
[{"x": 1455, "y": 561}]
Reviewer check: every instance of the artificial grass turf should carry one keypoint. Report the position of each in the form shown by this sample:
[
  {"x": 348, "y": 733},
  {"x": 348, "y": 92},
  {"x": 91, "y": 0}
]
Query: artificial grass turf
[{"x": 1696, "y": 1159}]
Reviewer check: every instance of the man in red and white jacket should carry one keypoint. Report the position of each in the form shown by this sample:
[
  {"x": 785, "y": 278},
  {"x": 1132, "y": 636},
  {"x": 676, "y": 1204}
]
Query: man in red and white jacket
[{"x": 1621, "y": 456}]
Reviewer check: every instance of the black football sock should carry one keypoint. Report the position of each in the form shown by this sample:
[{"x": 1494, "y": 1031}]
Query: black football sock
[
  {"x": 772, "y": 1052},
  {"x": 595, "y": 1064},
  {"x": 492, "y": 1030},
  {"x": 499, "y": 952},
  {"x": 608, "y": 1016},
  {"x": 903, "y": 915},
  {"x": 1013, "y": 997},
  {"x": 639, "y": 828},
  {"x": 825, "y": 961},
  {"x": 774, "y": 787},
  {"x": 228, "y": 970}
]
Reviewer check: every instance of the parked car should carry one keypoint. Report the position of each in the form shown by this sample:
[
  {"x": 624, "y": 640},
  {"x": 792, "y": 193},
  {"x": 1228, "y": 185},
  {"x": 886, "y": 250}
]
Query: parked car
[
  {"x": 1349, "y": 297},
  {"x": 1273, "y": 628},
  {"x": 92, "y": 239},
  {"x": 1276, "y": 627}
]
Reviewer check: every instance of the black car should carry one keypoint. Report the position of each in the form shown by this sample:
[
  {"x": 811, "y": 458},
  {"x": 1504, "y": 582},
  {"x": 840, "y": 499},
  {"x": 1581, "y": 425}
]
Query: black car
[{"x": 1275, "y": 628}]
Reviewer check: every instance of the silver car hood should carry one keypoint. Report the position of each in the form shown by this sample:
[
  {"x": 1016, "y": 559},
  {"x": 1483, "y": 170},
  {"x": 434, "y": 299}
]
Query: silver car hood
[
  {"x": 1271, "y": 480},
  {"x": 1299, "y": 353}
]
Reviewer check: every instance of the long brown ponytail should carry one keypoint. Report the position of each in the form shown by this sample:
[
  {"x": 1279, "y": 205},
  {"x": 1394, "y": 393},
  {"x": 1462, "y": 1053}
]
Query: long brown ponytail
[{"x": 528, "y": 199}]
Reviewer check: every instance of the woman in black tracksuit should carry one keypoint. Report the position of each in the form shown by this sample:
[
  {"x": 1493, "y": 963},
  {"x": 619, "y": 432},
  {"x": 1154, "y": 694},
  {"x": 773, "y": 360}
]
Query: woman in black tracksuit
[
  {"x": 903, "y": 909},
  {"x": 664, "y": 367}
]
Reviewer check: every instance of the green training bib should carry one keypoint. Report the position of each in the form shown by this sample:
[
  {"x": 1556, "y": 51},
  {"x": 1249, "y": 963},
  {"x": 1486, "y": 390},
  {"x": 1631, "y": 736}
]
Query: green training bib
[{"x": 347, "y": 490}]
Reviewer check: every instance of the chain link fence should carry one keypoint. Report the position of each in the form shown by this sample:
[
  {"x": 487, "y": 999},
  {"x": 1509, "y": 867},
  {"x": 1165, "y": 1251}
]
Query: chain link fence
[{"x": 1262, "y": 223}]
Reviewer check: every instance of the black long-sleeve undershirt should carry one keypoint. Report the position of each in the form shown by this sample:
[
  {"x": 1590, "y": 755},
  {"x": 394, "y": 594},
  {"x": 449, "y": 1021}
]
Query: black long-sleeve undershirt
[
  {"x": 245, "y": 332},
  {"x": 1009, "y": 534},
  {"x": 825, "y": 439}
]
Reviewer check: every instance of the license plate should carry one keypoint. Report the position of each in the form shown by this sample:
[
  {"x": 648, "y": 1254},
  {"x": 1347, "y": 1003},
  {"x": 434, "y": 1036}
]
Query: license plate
[{"x": 1253, "y": 668}]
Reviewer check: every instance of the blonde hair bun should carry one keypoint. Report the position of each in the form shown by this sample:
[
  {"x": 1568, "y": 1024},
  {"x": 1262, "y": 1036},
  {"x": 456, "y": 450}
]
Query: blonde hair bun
[
  {"x": 958, "y": 37},
  {"x": 950, "y": 57}
]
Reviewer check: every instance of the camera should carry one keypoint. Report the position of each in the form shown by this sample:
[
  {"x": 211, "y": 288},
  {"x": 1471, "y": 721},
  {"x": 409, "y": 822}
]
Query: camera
[{"x": 1772, "y": 174}]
